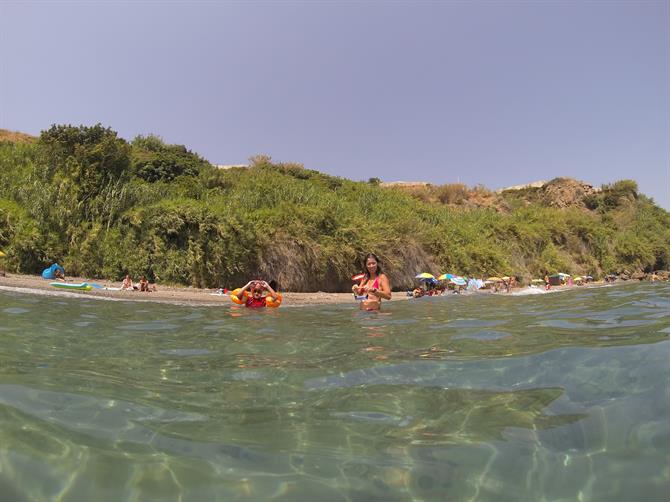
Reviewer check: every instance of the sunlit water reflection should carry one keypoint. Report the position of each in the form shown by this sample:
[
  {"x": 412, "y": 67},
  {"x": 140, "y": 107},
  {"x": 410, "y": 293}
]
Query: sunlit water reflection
[{"x": 560, "y": 396}]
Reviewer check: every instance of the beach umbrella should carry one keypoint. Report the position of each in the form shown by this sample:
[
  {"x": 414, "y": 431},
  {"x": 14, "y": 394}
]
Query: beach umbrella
[
  {"x": 506, "y": 278},
  {"x": 445, "y": 276},
  {"x": 424, "y": 275},
  {"x": 494, "y": 279},
  {"x": 459, "y": 281},
  {"x": 537, "y": 281}
]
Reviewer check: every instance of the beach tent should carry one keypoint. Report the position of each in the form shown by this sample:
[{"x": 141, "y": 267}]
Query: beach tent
[{"x": 50, "y": 273}]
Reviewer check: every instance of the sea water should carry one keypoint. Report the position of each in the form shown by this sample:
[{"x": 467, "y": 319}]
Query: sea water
[{"x": 559, "y": 396}]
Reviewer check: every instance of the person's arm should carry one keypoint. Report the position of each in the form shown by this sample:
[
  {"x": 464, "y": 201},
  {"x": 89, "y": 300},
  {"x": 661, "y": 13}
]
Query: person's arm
[
  {"x": 359, "y": 289},
  {"x": 384, "y": 290},
  {"x": 240, "y": 293},
  {"x": 273, "y": 293}
]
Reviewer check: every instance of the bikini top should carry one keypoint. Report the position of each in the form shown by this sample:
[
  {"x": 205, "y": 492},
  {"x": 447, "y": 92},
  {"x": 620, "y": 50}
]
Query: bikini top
[{"x": 374, "y": 285}]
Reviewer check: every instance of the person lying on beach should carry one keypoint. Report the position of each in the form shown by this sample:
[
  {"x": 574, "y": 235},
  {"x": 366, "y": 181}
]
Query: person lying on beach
[
  {"x": 375, "y": 285},
  {"x": 255, "y": 298}
]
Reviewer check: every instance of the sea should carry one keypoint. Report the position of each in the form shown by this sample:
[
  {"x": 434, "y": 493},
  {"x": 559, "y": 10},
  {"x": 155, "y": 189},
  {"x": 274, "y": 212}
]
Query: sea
[{"x": 558, "y": 396}]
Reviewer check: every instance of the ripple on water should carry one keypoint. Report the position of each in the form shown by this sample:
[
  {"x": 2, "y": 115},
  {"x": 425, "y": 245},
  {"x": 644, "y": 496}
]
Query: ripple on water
[
  {"x": 473, "y": 323},
  {"x": 483, "y": 335},
  {"x": 15, "y": 310},
  {"x": 375, "y": 417},
  {"x": 185, "y": 352},
  {"x": 149, "y": 326},
  {"x": 609, "y": 324}
]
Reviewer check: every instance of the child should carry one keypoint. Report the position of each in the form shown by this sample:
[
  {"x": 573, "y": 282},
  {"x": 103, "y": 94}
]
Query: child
[{"x": 255, "y": 298}]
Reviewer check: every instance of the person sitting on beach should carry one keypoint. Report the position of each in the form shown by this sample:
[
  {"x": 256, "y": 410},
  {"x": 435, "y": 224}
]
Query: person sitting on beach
[
  {"x": 127, "y": 284},
  {"x": 375, "y": 285},
  {"x": 256, "y": 298},
  {"x": 418, "y": 293},
  {"x": 145, "y": 286},
  {"x": 59, "y": 275}
]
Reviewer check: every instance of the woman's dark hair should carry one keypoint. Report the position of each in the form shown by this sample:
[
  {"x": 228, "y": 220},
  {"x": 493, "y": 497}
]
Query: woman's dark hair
[
  {"x": 273, "y": 284},
  {"x": 365, "y": 265}
]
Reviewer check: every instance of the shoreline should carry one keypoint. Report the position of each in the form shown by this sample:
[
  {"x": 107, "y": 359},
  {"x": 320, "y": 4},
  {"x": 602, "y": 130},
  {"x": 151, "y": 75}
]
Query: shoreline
[
  {"x": 180, "y": 295},
  {"x": 183, "y": 295}
]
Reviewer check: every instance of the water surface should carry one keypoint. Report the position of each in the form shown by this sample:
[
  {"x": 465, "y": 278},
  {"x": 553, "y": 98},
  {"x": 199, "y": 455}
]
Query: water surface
[{"x": 560, "y": 396}]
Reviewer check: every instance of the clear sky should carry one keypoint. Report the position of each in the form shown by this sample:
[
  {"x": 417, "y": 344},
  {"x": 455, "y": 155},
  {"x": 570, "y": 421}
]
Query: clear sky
[{"x": 485, "y": 92}]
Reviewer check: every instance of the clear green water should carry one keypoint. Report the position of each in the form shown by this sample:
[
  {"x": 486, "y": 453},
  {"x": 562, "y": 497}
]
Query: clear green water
[{"x": 561, "y": 396}]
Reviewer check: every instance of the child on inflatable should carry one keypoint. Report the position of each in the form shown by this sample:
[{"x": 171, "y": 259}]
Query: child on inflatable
[{"x": 252, "y": 295}]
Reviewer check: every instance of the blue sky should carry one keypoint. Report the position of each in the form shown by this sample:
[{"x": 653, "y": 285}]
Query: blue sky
[{"x": 486, "y": 92}]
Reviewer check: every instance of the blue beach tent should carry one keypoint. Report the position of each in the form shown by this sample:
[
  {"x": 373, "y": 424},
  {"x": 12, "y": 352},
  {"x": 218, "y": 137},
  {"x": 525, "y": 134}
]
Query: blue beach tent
[{"x": 50, "y": 273}]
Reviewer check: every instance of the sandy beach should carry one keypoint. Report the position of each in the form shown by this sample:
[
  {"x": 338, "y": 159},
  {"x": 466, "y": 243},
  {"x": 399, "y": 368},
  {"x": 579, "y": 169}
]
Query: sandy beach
[
  {"x": 166, "y": 294},
  {"x": 184, "y": 295}
]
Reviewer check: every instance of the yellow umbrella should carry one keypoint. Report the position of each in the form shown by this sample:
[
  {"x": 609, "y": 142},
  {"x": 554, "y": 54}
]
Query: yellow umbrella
[
  {"x": 506, "y": 278},
  {"x": 425, "y": 275},
  {"x": 494, "y": 279}
]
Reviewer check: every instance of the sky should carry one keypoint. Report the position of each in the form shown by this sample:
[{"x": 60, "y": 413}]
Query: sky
[{"x": 496, "y": 93}]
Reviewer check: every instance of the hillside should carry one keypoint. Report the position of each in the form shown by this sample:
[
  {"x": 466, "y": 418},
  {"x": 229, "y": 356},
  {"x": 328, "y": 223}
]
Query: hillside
[
  {"x": 101, "y": 205},
  {"x": 16, "y": 137}
]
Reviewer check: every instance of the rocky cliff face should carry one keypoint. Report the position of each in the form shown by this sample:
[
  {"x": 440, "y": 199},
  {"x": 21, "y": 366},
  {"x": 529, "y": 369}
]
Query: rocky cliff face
[{"x": 566, "y": 192}]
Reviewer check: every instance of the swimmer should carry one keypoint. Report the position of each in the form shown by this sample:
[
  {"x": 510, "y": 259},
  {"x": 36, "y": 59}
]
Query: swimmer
[{"x": 375, "y": 285}]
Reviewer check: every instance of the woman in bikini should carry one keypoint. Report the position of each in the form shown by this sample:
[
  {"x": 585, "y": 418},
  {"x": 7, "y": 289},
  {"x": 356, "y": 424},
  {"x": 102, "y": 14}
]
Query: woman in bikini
[{"x": 375, "y": 285}]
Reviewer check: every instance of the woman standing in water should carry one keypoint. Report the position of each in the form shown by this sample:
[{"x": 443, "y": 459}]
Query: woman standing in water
[{"x": 375, "y": 285}]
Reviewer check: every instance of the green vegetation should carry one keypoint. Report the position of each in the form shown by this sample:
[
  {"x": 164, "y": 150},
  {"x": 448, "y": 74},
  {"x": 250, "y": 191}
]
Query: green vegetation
[{"x": 101, "y": 206}]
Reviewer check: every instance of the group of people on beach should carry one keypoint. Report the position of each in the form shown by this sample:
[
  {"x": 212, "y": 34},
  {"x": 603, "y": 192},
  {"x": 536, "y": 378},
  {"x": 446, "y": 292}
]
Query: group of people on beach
[{"x": 143, "y": 285}]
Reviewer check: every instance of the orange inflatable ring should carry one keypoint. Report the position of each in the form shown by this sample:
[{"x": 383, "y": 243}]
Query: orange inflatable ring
[
  {"x": 235, "y": 299},
  {"x": 273, "y": 303}
]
